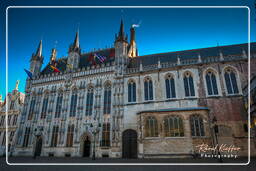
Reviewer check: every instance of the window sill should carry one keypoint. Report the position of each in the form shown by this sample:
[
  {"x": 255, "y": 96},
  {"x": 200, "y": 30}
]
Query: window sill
[
  {"x": 234, "y": 95},
  {"x": 195, "y": 137},
  {"x": 151, "y": 138},
  {"x": 175, "y": 137},
  {"x": 213, "y": 96}
]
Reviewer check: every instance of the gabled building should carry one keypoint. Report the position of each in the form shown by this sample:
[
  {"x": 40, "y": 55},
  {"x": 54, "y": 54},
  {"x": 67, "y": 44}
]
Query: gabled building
[{"x": 13, "y": 106}]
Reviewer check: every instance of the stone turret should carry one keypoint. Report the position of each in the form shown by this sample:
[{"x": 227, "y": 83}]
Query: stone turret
[
  {"x": 74, "y": 54},
  {"x": 36, "y": 60}
]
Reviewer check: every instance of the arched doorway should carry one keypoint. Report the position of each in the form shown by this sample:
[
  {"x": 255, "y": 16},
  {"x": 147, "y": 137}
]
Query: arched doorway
[
  {"x": 129, "y": 139},
  {"x": 87, "y": 147},
  {"x": 38, "y": 147}
]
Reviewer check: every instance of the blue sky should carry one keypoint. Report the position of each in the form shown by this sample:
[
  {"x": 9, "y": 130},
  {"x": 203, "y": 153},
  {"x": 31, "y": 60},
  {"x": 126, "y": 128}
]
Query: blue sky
[{"x": 161, "y": 30}]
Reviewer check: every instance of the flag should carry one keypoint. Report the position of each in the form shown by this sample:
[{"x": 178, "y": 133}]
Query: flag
[
  {"x": 30, "y": 75},
  {"x": 54, "y": 69},
  {"x": 101, "y": 58},
  {"x": 92, "y": 59},
  {"x": 112, "y": 53}
]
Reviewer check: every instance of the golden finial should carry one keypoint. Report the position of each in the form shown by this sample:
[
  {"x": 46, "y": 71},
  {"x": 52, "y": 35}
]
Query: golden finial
[{"x": 17, "y": 85}]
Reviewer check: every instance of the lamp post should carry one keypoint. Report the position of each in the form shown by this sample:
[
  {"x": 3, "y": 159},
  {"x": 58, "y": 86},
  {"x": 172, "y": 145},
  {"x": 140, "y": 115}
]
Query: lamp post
[
  {"x": 95, "y": 130},
  {"x": 216, "y": 131}
]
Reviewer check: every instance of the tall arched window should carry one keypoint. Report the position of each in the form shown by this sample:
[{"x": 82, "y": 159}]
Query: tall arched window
[
  {"x": 89, "y": 102},
  {"x": 151, "y": 127},
  {"x": 44, "y": 108},
  {"x": 26, "y": 137},
  {"x": 211, "y": 83},
  {"x": 31, "y": 108},
  {"x": 148, "y": 89},
  {"x": 173, "y": 126},
  {"x": 55, "y": 132},
  {"x": 230, "y": 80},
  {"x": 70, "y": 135},
  {"x": 197, "y": 126},
  {"x": 131, "y": 91},
  {"x": 72, "y": 112},
  {"x": 58, "y": 105},
  {"x": 105, "y": 141},
  {"x": 188, "y": 84},
  {"x": 170, "y": 87},
  {"x": 107, "y": 99}
]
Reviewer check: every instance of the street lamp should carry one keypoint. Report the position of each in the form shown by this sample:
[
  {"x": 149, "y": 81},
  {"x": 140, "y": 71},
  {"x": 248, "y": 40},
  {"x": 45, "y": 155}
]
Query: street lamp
[
  {"x": 216, "y": 131},
  {"x": 95, "y": 130}
]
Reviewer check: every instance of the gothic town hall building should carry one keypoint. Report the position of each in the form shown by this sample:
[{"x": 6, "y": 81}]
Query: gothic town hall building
[{"x": 131, "y": 106}]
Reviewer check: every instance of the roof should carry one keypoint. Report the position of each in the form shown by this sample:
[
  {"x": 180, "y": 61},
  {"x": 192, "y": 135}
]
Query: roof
[
  {"x": 191, "y": 54},
  {"x": 174, "y": 109},
  {"x": 85, "y": 60}
]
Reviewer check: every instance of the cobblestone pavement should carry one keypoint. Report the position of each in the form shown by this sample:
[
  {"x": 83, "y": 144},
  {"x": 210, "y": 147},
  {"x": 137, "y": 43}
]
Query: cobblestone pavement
[{"x": 107, "y": 161}]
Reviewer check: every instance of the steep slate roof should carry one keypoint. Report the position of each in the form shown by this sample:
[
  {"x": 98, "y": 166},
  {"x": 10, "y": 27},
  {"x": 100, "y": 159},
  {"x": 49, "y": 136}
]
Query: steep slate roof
[
  {"x": 153, "y": 58},
  {"x": 190, "y": 54},
  {"x": 84, "y": 60}
]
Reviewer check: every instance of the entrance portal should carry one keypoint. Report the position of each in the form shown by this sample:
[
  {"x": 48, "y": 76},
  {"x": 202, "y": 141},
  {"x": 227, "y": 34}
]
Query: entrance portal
[
  {"x": 129, "y": 139},
  {"x": 87, "y": 147}
]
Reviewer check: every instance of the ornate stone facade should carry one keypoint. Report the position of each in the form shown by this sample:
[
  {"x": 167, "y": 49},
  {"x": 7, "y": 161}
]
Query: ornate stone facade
[{"x": 159, "y": 105}]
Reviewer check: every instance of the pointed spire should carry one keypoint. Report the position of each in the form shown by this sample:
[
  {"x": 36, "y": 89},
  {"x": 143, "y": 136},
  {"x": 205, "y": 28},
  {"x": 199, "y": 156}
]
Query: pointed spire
[
  {"x": 121, "y": 31},
  {"x": 75, "y": 46},
  {"x": 39, "y": 49},
  {"x": 121, "y": 34},
  {"x": 76, "y": 42}
]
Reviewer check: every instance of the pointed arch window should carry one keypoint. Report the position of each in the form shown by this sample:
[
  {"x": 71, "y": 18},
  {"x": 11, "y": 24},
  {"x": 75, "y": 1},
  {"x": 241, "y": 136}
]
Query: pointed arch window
[
  {"x": 44, "y": 108},
  {"x": 73, "y": 104},
  {"x": 231, "y": 81},
  {"x": 89, "y": 102},
  {"x": 131, "y": 91},
  {"x": 197, "y": 126},
  {"x": 148, "y": 89},
  {"x": 59, "y": 105},
  {"x": 31, "y": 108},
  {"x": 170, "y": 87},
  {"x": 173, "y": 126},
  {"x": 70, "y": 135},
  {"x": 107, "y": 99},
  {"x": 55, "y": 132},
  {"x": 211, "y": 83},
  {"x": 188, "y": 85},
  {"x": 151, "y": 127},
  {"x": 26, "y": 137},
  {"x": 105, "y": 141}
]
